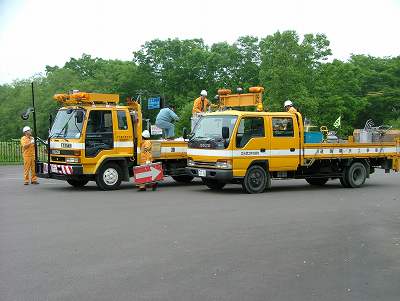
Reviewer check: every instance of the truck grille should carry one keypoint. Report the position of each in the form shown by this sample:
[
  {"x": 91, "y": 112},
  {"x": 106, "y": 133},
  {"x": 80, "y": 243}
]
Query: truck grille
[{"x": 205, "y": 164}]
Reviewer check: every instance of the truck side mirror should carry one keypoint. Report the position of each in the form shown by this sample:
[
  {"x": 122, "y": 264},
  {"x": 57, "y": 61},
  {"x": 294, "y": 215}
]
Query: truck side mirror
[
  {"x": 225, "y": 132},
  {"x": 184, "y": 133}
]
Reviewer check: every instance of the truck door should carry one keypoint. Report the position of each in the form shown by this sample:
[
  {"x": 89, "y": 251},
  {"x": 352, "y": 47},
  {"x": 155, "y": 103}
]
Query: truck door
[
  {"x": 250, "y": 144},
  {"x": 285, "y": 148},
  {"x": 99, "y": 133}
]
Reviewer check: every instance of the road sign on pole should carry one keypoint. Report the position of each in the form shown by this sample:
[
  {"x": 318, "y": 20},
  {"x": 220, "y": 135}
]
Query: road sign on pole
[
  {"x": 148, "y": 173},
  {"x": 153, "y": 103}
]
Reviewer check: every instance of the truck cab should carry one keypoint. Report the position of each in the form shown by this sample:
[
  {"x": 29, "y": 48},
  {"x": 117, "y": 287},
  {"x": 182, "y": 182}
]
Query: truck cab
[{"x": 225, "y": 145}]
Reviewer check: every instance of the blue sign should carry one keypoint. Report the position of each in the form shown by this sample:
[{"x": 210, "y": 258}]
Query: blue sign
[{"x": 153, "y": 103}]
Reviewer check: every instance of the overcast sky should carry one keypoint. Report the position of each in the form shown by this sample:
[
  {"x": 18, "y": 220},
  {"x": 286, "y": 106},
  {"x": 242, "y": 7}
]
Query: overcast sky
[{"x": 36, "y": 33}]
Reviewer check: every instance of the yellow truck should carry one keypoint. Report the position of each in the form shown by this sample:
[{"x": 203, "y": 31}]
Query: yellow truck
[
  {"x": 95, "y": 139},
  {"x": 251, "y": 148}
]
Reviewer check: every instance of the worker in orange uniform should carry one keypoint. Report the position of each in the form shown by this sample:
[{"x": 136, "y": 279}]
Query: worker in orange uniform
[
  {"x": 201, "y": 103},
  {"x": 28, "y": 153},
  {"x": 146, "y": 156},
  {"x": 289, "y": 107}
]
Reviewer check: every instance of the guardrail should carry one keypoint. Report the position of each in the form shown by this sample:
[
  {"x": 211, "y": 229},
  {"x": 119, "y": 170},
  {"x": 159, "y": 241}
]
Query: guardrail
[{"x": 10, "y": 152}]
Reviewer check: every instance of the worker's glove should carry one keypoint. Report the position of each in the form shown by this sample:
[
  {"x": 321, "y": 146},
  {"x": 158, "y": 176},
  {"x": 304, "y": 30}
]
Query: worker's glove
[
  {"x": 148, "y": 162},
  {"x": 32, "y": 140}
]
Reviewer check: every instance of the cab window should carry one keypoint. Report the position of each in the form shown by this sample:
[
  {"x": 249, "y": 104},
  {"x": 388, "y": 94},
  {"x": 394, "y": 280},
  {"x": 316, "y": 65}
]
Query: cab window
[
  {"x": 99, "y": 132},
  {"x": 249, "y": 127},
  {"x": 122, "y": 121},
  {"x": 282, "y": 127}
]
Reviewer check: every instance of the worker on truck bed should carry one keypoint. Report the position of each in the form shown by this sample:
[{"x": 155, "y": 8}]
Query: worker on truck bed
[
  {"x": 201, "y": 103},
  {"x": 28, "y": 152},
  {"x": 146, "y": 156},
  {"x": 289, "y": 107},
  {"x": 164, "y": 121}
]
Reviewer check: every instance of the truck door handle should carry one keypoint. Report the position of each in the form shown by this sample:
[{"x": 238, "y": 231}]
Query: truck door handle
[
  {"x": 262, "y": 150},
  {"x": 292, "y": 149}
]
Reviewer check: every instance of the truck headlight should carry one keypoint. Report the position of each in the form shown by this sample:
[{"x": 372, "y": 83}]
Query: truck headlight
[
  {"x": 190, "y": 162},
  {"x": 72, "y": 160},
  {"x": 226, "y": 164}
]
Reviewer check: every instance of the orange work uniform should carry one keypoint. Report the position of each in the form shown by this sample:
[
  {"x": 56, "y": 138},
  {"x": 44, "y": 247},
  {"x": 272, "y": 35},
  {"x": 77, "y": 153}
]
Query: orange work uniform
[
  {"x": 200, "y": 106},
  {"x": 145, "y": 152},
  {"x": 28, "y": 154},
  {"x": 292, "y": 110}
]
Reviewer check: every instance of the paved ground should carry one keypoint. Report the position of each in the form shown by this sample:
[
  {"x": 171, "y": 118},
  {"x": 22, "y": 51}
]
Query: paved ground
[{"x": 296, "y": 242}]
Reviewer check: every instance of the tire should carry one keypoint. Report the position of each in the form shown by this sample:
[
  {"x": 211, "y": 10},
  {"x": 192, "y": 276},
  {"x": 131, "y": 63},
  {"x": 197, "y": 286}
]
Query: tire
[
  {"x": 214, "y": 185},
  {"x": 317, "y": 181},
  {"x": 344, "y": 182},
  {"x": 109, "y": 177},
  {"x": 183, "y": 179},
  {"x": 356, "y": 175},
  {"x": 257, "y": 180},
  {"x": 77, "y": 182}
]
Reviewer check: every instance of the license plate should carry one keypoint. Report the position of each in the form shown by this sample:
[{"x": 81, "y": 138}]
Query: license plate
[{"x": 202, "y": 172}]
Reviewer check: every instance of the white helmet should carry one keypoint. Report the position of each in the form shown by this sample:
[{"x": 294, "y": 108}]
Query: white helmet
[
  {"x": 26, "y": 128},
  {"x": 146, "y": 134},
  {"x": 203, "y": 93},
  {"x": 288, "y": 103}
]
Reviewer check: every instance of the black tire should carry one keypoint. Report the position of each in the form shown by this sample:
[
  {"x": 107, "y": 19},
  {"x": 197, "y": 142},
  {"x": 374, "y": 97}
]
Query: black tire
[
  {"x": 109, "y": 177},
  {"x": 356, "y": 175},
  {"x": 77, "y": 182},
  {"x": 183, "y": 179},
  {"x": 344, "y": 182},
  {"x": 257, "y": 180},
  {"x": 214, "y": 185},
  {"x": 317, "y": 181}
]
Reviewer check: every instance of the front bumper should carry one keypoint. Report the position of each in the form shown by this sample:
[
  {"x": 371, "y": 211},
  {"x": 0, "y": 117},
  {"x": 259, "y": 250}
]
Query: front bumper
[
  {"x": 220, "y": 175},
  {"x": 58, "y": 171}
]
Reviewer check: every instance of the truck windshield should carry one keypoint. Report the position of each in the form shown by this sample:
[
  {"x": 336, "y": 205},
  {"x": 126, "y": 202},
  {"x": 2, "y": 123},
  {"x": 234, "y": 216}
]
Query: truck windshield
[
  {"x": 210, "y": 127},
  {"x": 68, "y": 124}
]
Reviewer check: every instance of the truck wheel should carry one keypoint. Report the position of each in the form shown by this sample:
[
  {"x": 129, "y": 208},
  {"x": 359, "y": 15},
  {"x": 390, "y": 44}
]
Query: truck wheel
[
  {"x": 109, "y": 177},
  {"x": 344, "y": 182},
  {"x": 317, "y": 181},
  {"x": 256, "y": 180},
  {"x": 214, "y": 185},
  {"x": 183, "y": 179},
  {"x": 356, "y": 175},
  {"x": 77, "y": 182}
]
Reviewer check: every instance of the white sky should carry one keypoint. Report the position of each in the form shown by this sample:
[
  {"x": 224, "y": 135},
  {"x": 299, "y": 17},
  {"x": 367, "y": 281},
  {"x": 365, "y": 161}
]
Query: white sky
[{"x": 36, "y": 33}]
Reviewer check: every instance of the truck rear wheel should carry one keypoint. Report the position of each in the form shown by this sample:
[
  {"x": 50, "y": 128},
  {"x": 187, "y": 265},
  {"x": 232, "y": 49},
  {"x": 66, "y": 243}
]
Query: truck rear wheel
[
  {"x": 257, "y": 180},
  {"x": 109, "y": 177},
  {"x": 214, "y": 185},
  {"x": 356, "y": 175},
  {"x": 77, "y": 182},
  {"x": 183, "y": 179},
  {"x": 317, "y": 181},
  {"x": 344, "y": 182}
]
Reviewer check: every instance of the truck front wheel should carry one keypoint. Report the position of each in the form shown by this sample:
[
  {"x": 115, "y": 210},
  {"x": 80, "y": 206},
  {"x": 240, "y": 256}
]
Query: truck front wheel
[
  {"x": 109, "y": 177},
  {"x": 257, "y": 180},
  {"x": 356, "y": 175}
]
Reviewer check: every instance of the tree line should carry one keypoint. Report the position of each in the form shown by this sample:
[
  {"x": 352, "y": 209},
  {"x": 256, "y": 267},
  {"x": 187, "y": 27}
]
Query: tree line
[{"x": 287, "y": 65}]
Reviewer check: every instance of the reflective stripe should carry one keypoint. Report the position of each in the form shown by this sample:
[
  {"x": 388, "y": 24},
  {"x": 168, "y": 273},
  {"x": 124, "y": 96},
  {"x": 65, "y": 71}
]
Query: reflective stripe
[
  {"x": 167, "y": 149},
  {"x": 67, "y": 145},
  {"x": 348, "y": 151},
  {"x": 123, "y": 143}
]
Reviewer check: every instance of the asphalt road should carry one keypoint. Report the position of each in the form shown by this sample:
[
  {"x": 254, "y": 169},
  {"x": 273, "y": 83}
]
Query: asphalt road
[{"x": 184, "y": 242}]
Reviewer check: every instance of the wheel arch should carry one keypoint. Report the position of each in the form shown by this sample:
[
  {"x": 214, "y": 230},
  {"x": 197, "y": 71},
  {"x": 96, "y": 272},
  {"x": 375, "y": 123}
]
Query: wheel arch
[{"x": 122, "y": 163}]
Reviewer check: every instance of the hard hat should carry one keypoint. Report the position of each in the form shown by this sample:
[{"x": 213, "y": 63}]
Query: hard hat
[
  {"x": 288, "y": 103},
  {"x": 26, "y": 128},
  {"x": 146, "y": 134},
  {"x": 203, "y": 93}
]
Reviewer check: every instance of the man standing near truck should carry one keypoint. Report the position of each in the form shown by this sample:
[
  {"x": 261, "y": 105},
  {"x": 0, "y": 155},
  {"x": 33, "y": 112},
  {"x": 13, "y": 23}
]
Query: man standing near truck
[
  {"x": 28, "y": 153},
  {"x": 289, "y": 107},
  {"x": 201, "y": 103}
]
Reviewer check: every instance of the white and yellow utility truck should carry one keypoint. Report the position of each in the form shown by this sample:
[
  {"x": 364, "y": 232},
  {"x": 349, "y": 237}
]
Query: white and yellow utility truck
[
  {"x": 251, "y": 148},
  {"x": 95, "y": 139}
]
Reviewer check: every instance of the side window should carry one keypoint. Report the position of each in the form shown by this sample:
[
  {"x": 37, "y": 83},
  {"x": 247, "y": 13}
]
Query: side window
[
  {"x": 249, "y": 127},
  {"x": 122, "y": 121},
  {"x": 282, "y": 127},
  {"x": 99, "y": 133},
  {"x": 99, "y": 122}
]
